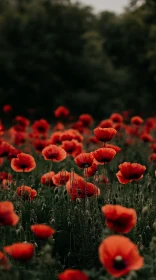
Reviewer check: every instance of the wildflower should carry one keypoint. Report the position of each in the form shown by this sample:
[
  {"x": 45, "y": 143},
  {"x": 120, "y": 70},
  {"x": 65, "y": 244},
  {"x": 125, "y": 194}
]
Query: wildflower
[
  {"x": 137, "y": 120},
  {"x": 84, "y": 160},
  {"x": 72, "y": 274},
  {"x": 104, "y": 134},
  {"x": 47, "y": 179},
  {"x": 86, "y": 119},
  {"x": 130, "y": 172},
  {"x": 61, "y": 112},
  {"x": 104, "y": 155},
  {"x": 117, "y": 118},
  {"x": 119, "y": 219},
  {"x": 40, "y": 126},
  {"x": 54, "y": 153},
  {"x": 20, "y": 251},
  {"x": 42, "y": 231},
  {"x": 119, "y": 255},
  {"x": 7, "y": 215},
  {"x": 78, "y": 188},
  {"x": 23, "y": 163},
  {"x": 26, "y": 192}
]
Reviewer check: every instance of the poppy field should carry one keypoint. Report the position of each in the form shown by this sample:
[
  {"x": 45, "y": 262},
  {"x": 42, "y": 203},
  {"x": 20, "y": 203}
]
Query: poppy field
[{"x": 77, "y": 197}]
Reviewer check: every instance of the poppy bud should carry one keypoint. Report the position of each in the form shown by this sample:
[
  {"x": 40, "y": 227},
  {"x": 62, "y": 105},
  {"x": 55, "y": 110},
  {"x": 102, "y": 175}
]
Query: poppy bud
[
  {"x": 53, "y": 221},
  {"x": 18, "y": 231},
  {"x": 76, "y": 208},
  {"x": 87, "y": 213},
  {"x": 132, "y": 275},
  {"x": 47, "y": 248},
  {"x": 153, "y": 244},
  {"x": 154, "y": 226},
  {"x": 78, "y": 200},
  {"x": 56, "y": 198},
  {"x": 145, "y": 211},
  {"x": 149, "y": 187},
  {"x": 48, "y": 260},
  {"x": 148, "y": 227}
]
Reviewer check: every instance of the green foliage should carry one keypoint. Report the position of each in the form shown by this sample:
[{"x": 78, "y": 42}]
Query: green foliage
[{"x": 50, "y": 48}]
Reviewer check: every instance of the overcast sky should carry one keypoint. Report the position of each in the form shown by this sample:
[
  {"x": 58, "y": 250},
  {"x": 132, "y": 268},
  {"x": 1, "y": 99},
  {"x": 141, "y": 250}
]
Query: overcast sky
[{"x": 113, "y": 5}]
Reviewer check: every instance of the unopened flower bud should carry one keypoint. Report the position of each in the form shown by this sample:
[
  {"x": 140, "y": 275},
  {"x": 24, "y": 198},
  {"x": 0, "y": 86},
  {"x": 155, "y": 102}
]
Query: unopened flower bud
[
  {"x": 145, "y": 211},
  {"x": 56, "y": 198}
]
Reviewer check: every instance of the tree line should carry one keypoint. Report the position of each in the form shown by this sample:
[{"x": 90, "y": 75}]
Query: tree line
[{"x": 59, "y": 53}]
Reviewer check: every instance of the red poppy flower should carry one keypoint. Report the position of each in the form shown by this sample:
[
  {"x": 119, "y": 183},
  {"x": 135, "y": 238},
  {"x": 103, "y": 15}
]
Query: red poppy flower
[
  {"x": 84, "y": 160},
  {"x": 7, "y": 214},
  {"x": 61, "y": 178},
  {"x": 5, "y": 175},
  {"x": 41, "y": 126},
  {"x": 56, "y": 138},
  {"x": 116, "y": 148},
  {"x": 104, "y": 134},
  {"x": 7, "y": 184},
  {"x": 72, "y": 147},
  {"x": 20, "y": 138},
  {"x": 117, "y": 118},
  {"x": 54, "y": 153},
  {"x": 42, "y": 231},
  {"x": 118, "y": 126},
  {"x": 106, "y": 123},
  {"x": 152, "y": 157},
  {"x": 22, "y": 122},
  {"x": 94, "y": 140},
  {"x": 78, "y": 188},
  {"x": 7, "y": 108},
  {"x": 119, "y": 219},
  {"x": 13, "y": 153},
  {"x": 151, "y": 122},
  {"x": 153, "y": 146},
  {"x": 59, "y": 126},
  {"x": 20, "y": 251},
  {"x": 77, "y": 135},
  {"x": 137, "y": 120},
  {"x": 119, "y": 255},
  {"x": 4, "y": 263},
  {"x": 86, "y": 119},
  {"x": 78, "y": 126},
  {"x": 1, "y": 161},
  {"x": 47, "y": 179},
  {"x": 26, "y": 192},
  {"x": 71, "y": 134},
  {"x": 146, "y": 137},
  {"x": 23, "y": 163},
  {"x": 5, "y": 149},
  {"x": 2, "y": 129},
  {"x": 104, "y": 155},
  {"x": 61, "y": 112},
  {"x": 40, "y": 144},
  {"x": 91, "y": 171},
  {"x": 130, "y": 172},
  {"x": 104, "y": 180},
  {"x": 72, "y": 274}
]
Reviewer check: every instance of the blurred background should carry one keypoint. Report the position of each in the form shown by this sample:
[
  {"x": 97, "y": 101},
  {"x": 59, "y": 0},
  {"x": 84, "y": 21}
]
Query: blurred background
[{"x": 78, "y": 54}]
